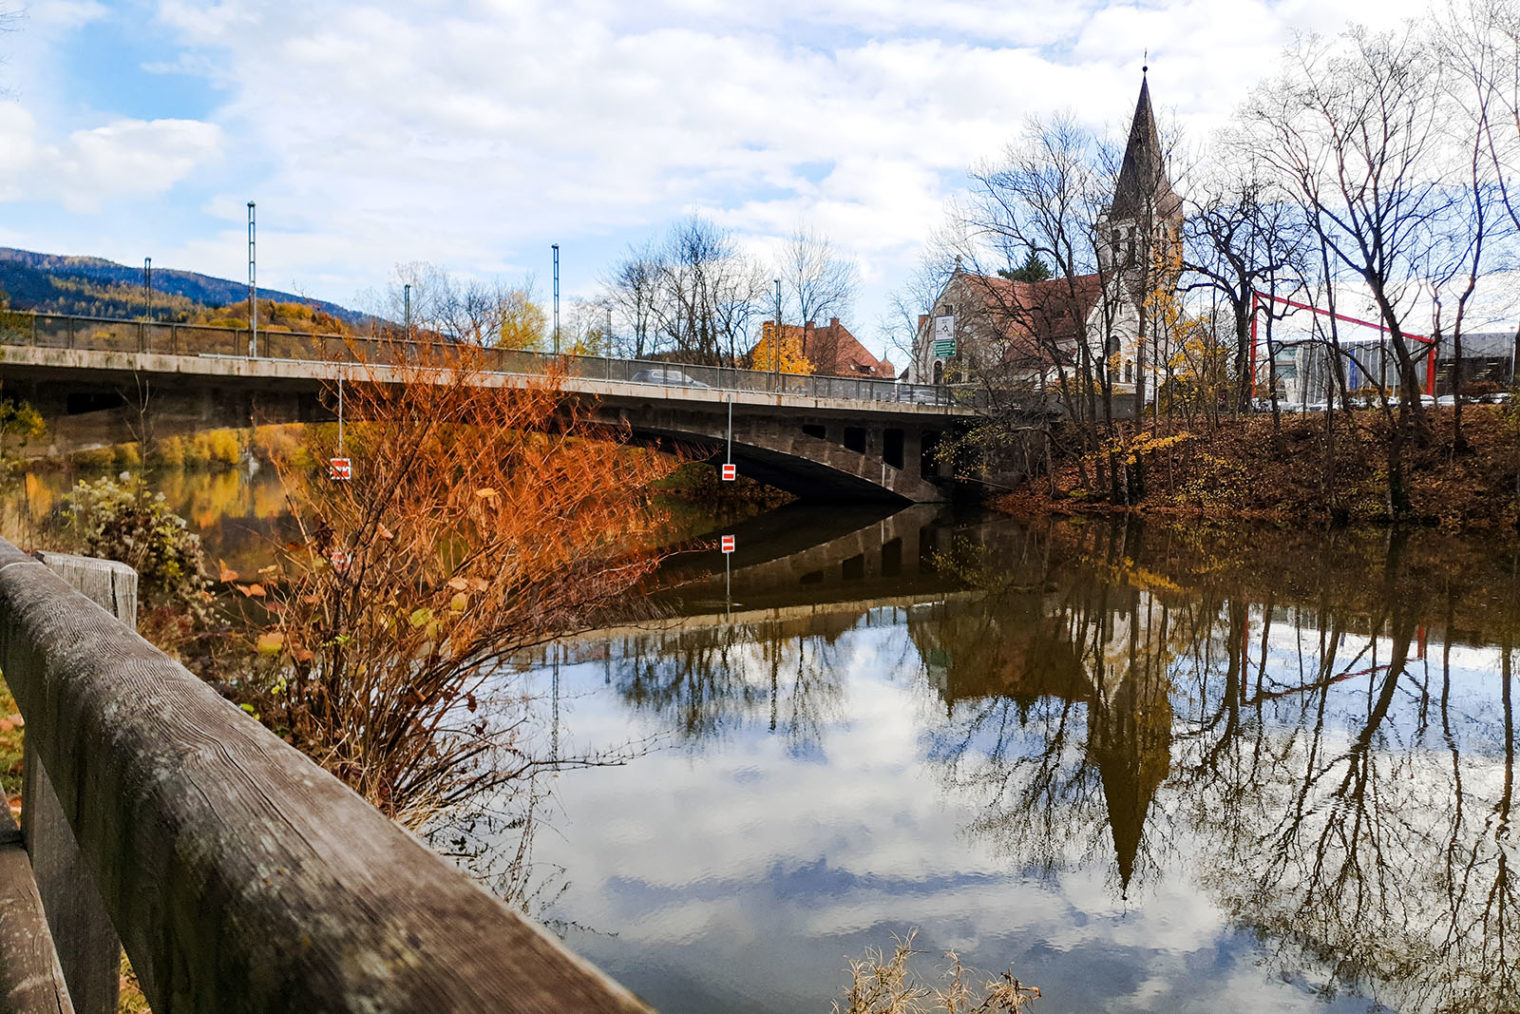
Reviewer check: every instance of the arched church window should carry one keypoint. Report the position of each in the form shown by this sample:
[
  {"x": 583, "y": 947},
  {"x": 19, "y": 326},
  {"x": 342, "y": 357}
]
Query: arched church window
[{"x": 1129, "y": 371}]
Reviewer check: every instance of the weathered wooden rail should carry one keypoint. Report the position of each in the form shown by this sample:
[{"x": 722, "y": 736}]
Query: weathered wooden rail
[{"x": 239, "y": 876}]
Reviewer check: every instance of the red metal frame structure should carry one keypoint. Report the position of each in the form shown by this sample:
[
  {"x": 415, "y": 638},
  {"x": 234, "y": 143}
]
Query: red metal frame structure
[{"x": 1257, "y": 297}]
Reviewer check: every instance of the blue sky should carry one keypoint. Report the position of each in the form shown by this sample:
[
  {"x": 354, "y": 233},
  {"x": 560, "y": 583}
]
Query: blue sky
[{"x": 475, "y": 133}]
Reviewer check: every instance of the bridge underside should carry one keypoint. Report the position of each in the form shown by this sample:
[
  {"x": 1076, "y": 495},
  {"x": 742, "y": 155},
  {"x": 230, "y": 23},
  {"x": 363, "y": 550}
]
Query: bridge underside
[
  {"x": 819, "y": 458},
  {"x": 812, "y": 452}
]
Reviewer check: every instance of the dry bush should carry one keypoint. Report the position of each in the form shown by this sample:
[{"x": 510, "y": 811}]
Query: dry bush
[
  {"x": 479, "y": 521},
  {"x": 887, "y": 985}
]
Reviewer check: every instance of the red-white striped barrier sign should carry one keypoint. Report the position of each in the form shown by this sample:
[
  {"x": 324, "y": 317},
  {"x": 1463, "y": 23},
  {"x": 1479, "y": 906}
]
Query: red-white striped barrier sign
[
  {"x": 727, "y": 543},
  {"x": 340, "y": 561},
  {"x": 340, "y": 469},
  {"x": 730, "y": 472}
]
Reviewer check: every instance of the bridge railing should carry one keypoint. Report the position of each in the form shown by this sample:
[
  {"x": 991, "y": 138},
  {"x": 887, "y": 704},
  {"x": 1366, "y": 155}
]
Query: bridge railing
[
  {"x": 239, "y": 877},
  {"x": 105, "y": 334}
]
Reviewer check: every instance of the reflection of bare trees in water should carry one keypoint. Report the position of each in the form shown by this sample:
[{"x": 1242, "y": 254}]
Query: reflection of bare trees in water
[
  {"x": 1340, "y": 797},
  {"x": 705, "y": 684}
]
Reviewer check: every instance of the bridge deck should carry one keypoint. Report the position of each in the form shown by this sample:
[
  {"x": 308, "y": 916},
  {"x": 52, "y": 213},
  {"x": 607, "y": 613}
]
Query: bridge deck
[{"x": 104, "y": 346}]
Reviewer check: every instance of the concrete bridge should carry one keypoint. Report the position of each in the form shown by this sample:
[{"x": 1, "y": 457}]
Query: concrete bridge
[{"x": 99, "y": 382}]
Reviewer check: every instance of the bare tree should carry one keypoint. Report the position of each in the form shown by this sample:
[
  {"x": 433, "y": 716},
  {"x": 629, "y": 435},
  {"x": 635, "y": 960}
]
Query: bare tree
[
  {"x": 486, "y": 313},
  {"x": 1045, "y": 198},
  {"x": 1236, "y": 238},
  {"x": 816, "y": 282},
  {"x": 633, "y": 291},
  {"x": 694, "y": 296},
  {"x": 1476, "y": 42},
  {"x": 898, "y": 328},
  {"x": 1351, "y": 133}
]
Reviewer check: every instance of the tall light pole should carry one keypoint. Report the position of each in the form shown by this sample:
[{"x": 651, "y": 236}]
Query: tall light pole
[
  {"x": 148, "y": 287},
  {"x": 406, "y": 300},
  {"x": 776, "y": 345},
  {"x": 253, "y": 289},
  {"x": 556, "y": 299}
]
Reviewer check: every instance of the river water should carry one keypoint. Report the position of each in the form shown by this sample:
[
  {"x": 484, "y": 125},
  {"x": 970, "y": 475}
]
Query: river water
[{"x": 1152, "y": 768}]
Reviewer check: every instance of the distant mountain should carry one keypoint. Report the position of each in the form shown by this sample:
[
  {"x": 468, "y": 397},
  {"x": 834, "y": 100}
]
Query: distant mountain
[{"x": 96, "y": 287}]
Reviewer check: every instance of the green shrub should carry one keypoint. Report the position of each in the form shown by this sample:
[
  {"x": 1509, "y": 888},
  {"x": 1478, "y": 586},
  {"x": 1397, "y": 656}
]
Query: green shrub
[{"x": 119, "y": 520}]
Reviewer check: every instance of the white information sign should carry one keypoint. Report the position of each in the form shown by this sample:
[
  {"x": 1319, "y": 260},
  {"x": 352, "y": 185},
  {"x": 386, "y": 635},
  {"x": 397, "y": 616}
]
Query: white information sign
[{"x": 944, "y": 336}]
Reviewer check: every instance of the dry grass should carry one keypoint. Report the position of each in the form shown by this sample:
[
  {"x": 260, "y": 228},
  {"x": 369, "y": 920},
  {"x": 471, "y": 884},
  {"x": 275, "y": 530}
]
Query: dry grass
[
  {"x": 1243, "y": 471},
  {"x": 880, "y": 984}
]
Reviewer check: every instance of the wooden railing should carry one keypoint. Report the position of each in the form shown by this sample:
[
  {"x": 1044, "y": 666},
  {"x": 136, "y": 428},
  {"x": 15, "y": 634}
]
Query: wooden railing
[{"x": 239, "y": 876}]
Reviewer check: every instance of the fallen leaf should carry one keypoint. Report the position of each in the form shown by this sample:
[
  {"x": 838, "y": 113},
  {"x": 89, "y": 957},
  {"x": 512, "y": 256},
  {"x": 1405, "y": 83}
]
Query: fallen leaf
[
  {"x": 485, "y": 494},
  {"x": 459, "y": 584},
  {"x": 271, "y": 643}
]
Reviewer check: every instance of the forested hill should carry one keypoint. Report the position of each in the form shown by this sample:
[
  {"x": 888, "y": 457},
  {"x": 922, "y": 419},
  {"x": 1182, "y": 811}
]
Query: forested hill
[{"x": 96, "y": 287}]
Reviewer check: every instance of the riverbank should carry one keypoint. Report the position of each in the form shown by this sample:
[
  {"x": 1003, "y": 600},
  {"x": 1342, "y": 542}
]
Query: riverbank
[{"x": 1303, "y": 475}]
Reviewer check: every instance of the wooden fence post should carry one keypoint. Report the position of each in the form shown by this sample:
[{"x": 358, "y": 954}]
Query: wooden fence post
[{"x": 88, "y": 949}]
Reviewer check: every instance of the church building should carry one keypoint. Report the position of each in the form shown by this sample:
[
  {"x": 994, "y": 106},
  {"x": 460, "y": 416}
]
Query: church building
[{"x": 1027, "y": 333}]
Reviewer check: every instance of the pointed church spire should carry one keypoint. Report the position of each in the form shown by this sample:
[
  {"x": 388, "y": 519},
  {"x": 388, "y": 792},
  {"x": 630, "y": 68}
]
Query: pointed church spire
[{"x": 1142, "y": 176}]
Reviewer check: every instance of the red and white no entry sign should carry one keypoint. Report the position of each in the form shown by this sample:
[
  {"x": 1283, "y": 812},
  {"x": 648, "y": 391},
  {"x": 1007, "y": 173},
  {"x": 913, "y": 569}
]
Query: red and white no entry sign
[
  {"x": 340, "y": 469},
  {"x": 727, "y": 542},
  {"x": 730, "y": 472}
]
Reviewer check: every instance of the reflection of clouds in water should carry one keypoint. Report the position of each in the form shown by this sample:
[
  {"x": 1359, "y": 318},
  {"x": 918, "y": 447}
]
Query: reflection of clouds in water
[{"x": 729, "y": 866}]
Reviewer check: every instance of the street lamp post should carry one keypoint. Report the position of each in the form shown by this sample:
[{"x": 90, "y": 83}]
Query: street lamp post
[
  {"x": 776, "y": 345},
  {"x": 148, "y": 287},
  {"x": 253, "y": 289}
]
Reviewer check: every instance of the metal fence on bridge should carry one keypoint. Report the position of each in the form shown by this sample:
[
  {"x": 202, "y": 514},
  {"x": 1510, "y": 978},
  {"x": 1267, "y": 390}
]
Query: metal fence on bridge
[{"x": 62, "y": 331}]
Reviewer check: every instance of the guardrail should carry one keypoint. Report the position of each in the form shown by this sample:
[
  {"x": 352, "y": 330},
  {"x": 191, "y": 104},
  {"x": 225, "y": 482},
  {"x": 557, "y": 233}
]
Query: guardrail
[
  {"x": 239, "y": 876},
  {"x": 71, "y": 332}
]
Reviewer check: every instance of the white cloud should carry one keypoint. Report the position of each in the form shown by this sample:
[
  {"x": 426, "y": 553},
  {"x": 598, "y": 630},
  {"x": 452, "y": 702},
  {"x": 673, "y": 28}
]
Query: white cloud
[
  {"x": 88, "y": 169},
  {"x": 64, "y": 14},
  {"x": 474, "y": 131}
]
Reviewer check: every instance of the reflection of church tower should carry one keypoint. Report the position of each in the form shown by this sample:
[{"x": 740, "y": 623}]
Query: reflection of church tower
[
  {"x": 1140, "y": 237},
  {"x": 1129, "y": 740}
]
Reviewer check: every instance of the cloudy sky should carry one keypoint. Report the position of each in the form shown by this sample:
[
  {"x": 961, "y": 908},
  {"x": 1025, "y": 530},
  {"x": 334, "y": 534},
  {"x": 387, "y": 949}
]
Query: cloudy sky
[{"x": 475, "y": 133}]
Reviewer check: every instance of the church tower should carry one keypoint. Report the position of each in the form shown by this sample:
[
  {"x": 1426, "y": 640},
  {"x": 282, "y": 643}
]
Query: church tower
[{"x": 1140, "y": 241}]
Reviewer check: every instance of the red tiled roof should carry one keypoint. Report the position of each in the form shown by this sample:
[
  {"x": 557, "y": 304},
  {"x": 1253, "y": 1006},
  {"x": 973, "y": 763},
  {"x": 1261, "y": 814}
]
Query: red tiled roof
[
  {"x": 1036, "y": 317},
  {"x": 833, "y": 351}
]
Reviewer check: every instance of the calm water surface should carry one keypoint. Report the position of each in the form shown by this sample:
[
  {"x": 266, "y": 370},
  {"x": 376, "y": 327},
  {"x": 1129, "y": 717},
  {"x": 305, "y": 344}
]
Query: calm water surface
[{"x": 1154, "y": 770}]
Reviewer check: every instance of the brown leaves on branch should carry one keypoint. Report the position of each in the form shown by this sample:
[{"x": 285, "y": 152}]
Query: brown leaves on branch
[{"x": 481, "y": 518}]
